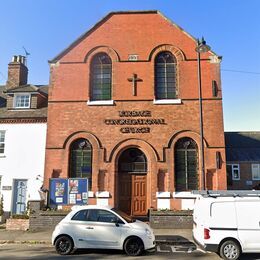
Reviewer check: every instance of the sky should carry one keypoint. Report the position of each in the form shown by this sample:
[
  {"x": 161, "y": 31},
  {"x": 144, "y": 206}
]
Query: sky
[{"x": 231, "y": 27}]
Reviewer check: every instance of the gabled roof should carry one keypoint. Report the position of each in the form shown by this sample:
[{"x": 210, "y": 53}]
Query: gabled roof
[
  {"x": 103, "y": 20},
  {"x": 242, "y": 146}
]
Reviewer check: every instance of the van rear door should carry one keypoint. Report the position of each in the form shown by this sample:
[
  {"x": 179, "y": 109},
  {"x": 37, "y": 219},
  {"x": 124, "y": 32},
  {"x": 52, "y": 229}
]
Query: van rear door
[{"x": 248, "y": 219}]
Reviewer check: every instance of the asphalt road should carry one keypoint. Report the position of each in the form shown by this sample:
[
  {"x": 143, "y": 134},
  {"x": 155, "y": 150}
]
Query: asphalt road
[{"x": 40, "y": 251}]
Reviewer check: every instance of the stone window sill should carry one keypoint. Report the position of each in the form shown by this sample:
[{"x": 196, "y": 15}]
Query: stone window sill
[
  {"x": 102, "y": 194},
  {"x": 166, "y": 101},
  {"x": 100, "y": 103},
  {"x": 163, "y": 194}
]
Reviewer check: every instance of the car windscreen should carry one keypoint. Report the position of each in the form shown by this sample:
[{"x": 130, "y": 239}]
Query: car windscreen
[{"x": 122, "y": 214}]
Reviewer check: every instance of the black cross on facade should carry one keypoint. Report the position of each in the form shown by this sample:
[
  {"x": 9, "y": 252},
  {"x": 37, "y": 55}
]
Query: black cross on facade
[{"x": 134, "y": 80}]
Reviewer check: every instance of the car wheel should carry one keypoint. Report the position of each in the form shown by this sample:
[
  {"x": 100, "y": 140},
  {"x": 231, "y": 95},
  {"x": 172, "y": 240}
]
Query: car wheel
[
  {"x": 134, "y": 246},
  {"x": 64, "y": 245},
  {"x": 230, "y": 250}
]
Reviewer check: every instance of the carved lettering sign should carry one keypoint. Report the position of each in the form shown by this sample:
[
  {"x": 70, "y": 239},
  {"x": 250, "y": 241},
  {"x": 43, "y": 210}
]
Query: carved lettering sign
[{"x": 139, "y": 120}]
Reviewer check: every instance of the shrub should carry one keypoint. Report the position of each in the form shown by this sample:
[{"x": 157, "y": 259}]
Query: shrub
[
  {"x": 17, "y": 216},
  {"x": 1, "y": 206}
]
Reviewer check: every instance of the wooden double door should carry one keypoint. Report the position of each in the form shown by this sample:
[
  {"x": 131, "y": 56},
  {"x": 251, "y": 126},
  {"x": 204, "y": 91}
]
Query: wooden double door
[{"x": 132, "y": 193}]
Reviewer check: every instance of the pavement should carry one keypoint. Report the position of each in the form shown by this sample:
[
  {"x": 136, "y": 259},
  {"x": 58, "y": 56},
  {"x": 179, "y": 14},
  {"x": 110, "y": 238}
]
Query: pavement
[{"x": 176, "y": 236}]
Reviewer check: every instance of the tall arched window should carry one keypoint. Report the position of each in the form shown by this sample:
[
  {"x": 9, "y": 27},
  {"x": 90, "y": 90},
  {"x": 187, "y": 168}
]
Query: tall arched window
[
  {"x": 81, "y": 160},
  {"x": 186, "y": 165},
  {"x": 100, "y": 77},
  {"x": 165, "y": 76}
]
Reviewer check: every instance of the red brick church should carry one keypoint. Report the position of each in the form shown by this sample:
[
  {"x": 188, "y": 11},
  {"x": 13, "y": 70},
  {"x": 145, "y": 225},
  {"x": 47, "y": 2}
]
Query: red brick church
[{"x": 124, "y": 112}]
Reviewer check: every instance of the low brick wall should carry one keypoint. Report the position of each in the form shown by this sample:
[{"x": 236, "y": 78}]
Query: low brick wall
[
  {"x": 45, "y": 219},
  {"x": 171, "y": 219},
  {"x": 17, "y": 224},
  {"x": 42, "y": 220}
]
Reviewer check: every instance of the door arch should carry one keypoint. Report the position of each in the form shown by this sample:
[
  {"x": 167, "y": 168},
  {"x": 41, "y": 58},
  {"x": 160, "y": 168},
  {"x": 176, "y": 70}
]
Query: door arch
[{"x": 132, "y": 182}]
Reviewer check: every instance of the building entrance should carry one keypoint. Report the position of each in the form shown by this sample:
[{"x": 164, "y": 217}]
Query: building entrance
[{"x": 132, "y": 182}]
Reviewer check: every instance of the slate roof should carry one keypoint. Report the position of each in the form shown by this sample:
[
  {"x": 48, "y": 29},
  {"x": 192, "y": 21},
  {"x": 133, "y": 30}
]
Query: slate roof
[
  {"x": 242, "y": 146},
  {"x": 38, "y": 113},
  {"x": 27, "y": 88}
]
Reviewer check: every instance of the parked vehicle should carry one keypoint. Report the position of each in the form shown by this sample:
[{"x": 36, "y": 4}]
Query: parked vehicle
[
  {"x": 102, "y": 228},
  {"x": 228, "y": 222}
]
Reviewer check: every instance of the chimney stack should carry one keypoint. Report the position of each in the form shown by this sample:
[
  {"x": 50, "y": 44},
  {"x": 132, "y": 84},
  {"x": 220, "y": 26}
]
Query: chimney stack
[{"x": 17, "y": 72}]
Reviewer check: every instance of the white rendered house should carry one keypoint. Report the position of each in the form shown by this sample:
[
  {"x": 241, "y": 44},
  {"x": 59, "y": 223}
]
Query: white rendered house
[{"x": 23, "y": 124}]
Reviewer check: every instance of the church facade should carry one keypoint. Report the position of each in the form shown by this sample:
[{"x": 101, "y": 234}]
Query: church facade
[{"x": 123, "y": 112}]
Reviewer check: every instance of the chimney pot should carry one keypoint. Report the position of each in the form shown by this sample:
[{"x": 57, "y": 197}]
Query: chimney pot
[{"x": 17, "y": 72}]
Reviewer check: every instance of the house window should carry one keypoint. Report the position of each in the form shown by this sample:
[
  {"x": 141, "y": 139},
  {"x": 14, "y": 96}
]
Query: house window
[
  {"x": 22, "y": 100},
  {"x": 101, "y": 77},
  {"x": 186, "y": 165},
  {"x": 81, "y": 160},
  {"x": 256, "y": 171},
  {"x": 165, "y": 76},
  {"x": 2, "y": 142},
  {"x": 235, "y": 171}
]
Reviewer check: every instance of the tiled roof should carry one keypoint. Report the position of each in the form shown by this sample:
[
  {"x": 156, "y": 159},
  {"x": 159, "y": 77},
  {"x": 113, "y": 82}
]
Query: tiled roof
[{"x": 242, "y": 146}]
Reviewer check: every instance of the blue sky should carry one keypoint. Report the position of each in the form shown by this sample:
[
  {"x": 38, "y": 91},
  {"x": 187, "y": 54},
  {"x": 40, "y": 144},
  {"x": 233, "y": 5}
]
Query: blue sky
[{"x": 230, "y": 27}]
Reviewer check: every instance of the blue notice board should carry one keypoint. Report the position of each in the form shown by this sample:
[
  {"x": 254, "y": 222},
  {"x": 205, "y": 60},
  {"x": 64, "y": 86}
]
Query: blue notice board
[
  {"x": 73, "y": 191},
  {"x": 58, "y": 191}
]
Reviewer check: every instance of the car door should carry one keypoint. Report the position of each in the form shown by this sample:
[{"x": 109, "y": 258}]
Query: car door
[
  {"x": 248, "y": 220},
  {"x": 104, "y": 229},
  {"x": 96, "y": 228}
]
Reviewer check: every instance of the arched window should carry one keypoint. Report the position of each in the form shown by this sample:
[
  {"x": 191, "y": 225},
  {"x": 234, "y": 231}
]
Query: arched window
[
  {"x": 133, "y": 160},
  {"x": 186, "y": 165},
  {"x": 165, "y": 76},
  {"x": 81, "y": 160},
  {"x": 100, "y": 77}
]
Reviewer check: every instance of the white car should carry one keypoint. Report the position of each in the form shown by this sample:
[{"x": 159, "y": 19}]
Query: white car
[{"x": 102, "y": 228}]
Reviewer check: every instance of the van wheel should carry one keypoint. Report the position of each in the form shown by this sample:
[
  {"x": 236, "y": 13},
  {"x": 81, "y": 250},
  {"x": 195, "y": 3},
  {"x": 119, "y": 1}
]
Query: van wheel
[
  {"x": 64, "y": 245},
  {"x": 134, "y": 246},
  {"x": 230, "y": 250}
]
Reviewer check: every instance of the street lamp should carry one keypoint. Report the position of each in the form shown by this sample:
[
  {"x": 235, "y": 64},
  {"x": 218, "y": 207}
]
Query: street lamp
[{"x": 201, "y": 48}]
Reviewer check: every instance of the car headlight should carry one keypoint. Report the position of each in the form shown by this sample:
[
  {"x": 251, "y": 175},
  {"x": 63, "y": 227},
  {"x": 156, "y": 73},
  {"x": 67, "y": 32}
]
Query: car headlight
[{"x": 148, "y": 232}]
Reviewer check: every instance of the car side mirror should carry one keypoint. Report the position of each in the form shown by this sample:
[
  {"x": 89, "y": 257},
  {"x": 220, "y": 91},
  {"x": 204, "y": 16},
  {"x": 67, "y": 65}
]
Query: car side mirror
[{"x": 118, "y": 221}]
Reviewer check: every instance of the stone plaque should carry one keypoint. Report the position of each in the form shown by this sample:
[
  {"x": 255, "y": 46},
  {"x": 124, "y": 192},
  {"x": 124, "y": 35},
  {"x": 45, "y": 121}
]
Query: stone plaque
[
  {"x": 6, "y": 187},
  {"x": 133, "y": 57}
]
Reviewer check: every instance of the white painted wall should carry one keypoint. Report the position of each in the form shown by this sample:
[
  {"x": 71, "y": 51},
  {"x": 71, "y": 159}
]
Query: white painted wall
[{"x": 23, "y": 159}]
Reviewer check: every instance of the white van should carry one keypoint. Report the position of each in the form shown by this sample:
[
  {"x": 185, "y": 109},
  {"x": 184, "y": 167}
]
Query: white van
[{"x": 228, "y": 222}]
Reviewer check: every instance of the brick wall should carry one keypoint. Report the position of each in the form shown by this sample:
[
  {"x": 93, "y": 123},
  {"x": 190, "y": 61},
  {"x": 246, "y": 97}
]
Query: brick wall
[
  {"x": 69, "y": 116},
  {"x": 245, "y": 175},
  {"x": 45, "y": 220},
  {"x": 17, "y": 224},
  {"x": 171, "y": 219},
  {"x": 40, "y": 219}
]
